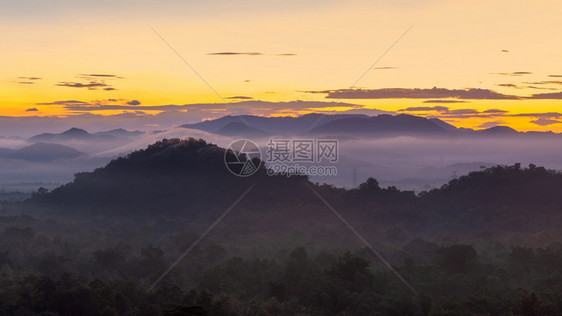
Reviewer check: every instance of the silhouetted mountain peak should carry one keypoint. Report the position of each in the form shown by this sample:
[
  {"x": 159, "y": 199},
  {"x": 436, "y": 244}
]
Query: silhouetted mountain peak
[
  {"x": 240, "y": 129},
  {"x": 381, "y": 125},
  {"x": 119, "y": 132},
  {"x": 499, "y": 131},
  {"x": 74, "y": 131},
  {"x": 169, "y": 176},
  {"x": 43, "y": 152}
]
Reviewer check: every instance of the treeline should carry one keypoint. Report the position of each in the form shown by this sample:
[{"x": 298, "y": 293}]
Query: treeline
[{"x": 456, "y": 282}]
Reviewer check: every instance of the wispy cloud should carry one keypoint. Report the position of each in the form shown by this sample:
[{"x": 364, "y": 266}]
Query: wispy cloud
[
  {"x": 513, "y": 74},
  {"x": 538, "y": 114},
  {"x": 95, "y": 81},
  {"x": 239, "y": 97},
  {"x": 444, "y": 101},
  {"x": 100, "y": 76},
  {"x": 417, "y": 93},
  {"x": 385, "y": 68},
  {"x": 236, "y": 53},
  {"x": 250, "y": 54},
  {"x": 241, "y": 107},
  {"x": 443, "y": 111},
  {"x": 548, "y": 96},
  {"x": 509, "y": 85},
  {"x": 543, "y": 121},
  {"x": 425, "y": 109},
  {"x": 495, "y": 111},
  {"x": 32, "y": 110},
  {"x": 28, "y": 80},
  {"x": 92, "y": 85},
  {"x": 512, "y": 85},
  {"x": 555, "y": 82},
  {"x": 66, "y": 103},
  {"x": 491, "y": 124}
]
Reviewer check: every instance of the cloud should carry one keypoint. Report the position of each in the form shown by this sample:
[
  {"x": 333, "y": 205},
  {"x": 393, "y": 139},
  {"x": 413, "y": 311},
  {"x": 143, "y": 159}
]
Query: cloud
[
  {"x": 236, "y": 53},
  {"x": 416, "y": 93},
  {"x": 425, "y": 109},
  {"x": 249, "y": 54},
  {"x": 504, "y": 51},
  {"x": 545, "y": 82},
  {"x": 539, "y": 88},
  {"x": 28, "y": 80},
  {"x": 511, "y": 85},
  {"x": 444, "y": 101},
  {"x": 92, "y": 85},
  {"x": 32, "y": 110},
  {"x": 66, "y": 103},
  {"x": 547, "y": 96},
  {"x": 443, "y": 111},
  {"x": 513, "y": 74},
  {"x": 96, "y": 81},
  {"x": 495, "y": 111},
  {"x": 255, "y": 107},
  {"x": 555, "y": 76},
  {"x": 100, "y": 76},
  {"x": 385, "y": 68},
  {"x": 134, "y": 102},
  {"x": 543, "y": 121},
  {"x": 464, "y": 112},
  {"x": 537, "y": 115},
  {"x": 239, "y": 97},
  {"x": 490, "y": 124}
]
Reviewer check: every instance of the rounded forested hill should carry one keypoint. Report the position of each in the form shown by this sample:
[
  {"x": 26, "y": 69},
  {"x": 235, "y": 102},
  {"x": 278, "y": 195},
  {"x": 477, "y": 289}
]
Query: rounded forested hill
[
  {"x": 500, "y": 198},
  {"x": 188, "y": 177},
  {"x": 501, "y": 186},
  {"x": 171, "y": 176}
]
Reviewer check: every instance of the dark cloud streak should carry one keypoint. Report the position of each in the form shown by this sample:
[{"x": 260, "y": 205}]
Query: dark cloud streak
[
  {"x": 417, "y": 93},
  {"x": 249, "y": 54}
]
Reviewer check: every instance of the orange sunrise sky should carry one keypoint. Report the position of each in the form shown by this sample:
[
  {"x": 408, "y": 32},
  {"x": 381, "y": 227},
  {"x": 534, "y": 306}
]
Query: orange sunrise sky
[{"x": 473, "y": 64}]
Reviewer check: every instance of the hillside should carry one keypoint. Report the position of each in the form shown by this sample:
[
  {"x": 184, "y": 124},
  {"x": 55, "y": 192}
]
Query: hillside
[
  {"x": 188, "y": 178},
  {"x": 172, "y": 176},
  {"x": 41, "y": 152}
]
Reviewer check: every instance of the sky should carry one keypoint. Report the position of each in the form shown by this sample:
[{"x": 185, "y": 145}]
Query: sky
[{"x": 474, "y": 64}]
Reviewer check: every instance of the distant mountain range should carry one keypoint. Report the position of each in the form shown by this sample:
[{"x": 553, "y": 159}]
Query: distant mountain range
[
  {"x": 80, "y": 134},
  {"x": 89, "y": 142},
  {"x": 41, "y": 152},
  {"x": 347, "y": 125},
  {"x": 267, "y": 125}
]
